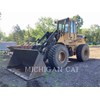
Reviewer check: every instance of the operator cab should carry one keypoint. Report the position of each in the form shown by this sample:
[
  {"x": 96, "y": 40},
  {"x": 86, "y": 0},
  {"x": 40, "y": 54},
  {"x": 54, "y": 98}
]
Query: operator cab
[{"x": 66, "y": 26}]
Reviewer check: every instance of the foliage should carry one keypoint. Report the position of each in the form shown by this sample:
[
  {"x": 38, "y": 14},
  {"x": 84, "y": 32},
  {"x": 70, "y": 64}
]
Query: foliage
[
  {"x": 45, "y": 24},
  {"x": 79, "y": 21},
  {"x": 2, "y": 36},
  {"x": 92, "y": 34},
  {"x": 17, "y": 34},
  {"x": 29, "y": 34}
]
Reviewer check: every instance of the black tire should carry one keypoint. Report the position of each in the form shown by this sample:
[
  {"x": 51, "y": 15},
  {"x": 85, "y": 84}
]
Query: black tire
[
  {"x": 82, "y": 52},
  {"x": 58, "y": 56}
]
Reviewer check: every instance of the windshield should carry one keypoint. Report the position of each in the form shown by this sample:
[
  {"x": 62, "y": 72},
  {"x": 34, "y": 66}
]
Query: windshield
[{"x": 63, "y": 27}]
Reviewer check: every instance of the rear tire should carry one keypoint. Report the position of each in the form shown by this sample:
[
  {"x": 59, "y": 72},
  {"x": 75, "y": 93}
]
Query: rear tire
[
  {"x": 82, "y": 52},
  {"x": 58, "y": 56}
]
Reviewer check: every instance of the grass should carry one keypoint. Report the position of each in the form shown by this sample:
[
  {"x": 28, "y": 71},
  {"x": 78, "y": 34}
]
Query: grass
[{"x": 94, "y": 45}]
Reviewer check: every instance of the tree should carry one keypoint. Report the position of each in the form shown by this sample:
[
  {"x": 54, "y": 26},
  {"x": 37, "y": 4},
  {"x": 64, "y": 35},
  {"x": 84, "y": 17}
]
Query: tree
[
  {"x": 95, "y": 33},
  {"x": 2, "y": 36},
  {"x": 79, "y": 21},
  {"x": 92, "y": 34},
  {"x": 18, "y": 35},
  {"x": 29, "y": 35},
  {"x": 45, "y": 24}
]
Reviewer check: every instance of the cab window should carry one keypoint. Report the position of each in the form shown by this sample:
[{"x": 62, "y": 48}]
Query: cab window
[
  {"x": 72, "y": 27},
  {"x": 66, "y": 28},
  {"x": 75, "y": 28},
  {"x": 61, "y": 27}
]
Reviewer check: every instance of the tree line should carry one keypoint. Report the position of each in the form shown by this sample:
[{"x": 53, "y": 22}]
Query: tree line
[{"x": 47, "y": 24}]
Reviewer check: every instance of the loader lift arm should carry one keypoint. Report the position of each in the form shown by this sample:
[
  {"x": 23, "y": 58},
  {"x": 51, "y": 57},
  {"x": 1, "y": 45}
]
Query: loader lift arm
[{"x": 51, "y": 39}]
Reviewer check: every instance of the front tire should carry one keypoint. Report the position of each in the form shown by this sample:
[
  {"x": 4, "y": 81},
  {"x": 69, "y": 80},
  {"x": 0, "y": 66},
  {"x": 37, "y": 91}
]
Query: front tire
[
  {"x": 58, "y": 56},
  {"x": 82, "y": 52}
]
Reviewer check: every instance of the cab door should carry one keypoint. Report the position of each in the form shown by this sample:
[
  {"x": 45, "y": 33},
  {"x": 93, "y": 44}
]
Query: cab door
[
  {"x": 73, "y": 30},
  {"x": 64, "y": 31}
]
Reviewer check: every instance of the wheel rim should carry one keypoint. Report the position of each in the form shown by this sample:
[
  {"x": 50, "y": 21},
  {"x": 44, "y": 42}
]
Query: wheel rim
[
  {"x": 61, "y": 57},
  {"x": 86, "y": 53}
]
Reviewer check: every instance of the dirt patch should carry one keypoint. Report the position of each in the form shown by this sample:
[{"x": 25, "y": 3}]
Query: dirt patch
[
  {"x": 95, "y": 52},
  {"x": 76, "y": 74}
]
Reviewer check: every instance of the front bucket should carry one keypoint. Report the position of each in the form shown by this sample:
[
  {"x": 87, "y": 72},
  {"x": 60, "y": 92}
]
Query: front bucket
[{"x": 27, "y": 63}]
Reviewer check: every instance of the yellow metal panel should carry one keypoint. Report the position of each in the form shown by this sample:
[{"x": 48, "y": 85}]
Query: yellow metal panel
[{"x": 64, "y": 39}]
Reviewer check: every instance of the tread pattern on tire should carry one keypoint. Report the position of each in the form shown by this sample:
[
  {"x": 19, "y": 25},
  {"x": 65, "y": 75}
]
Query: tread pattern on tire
[
  {"x": 51, "y": 55},
  {"x": 79, "y": 52}
]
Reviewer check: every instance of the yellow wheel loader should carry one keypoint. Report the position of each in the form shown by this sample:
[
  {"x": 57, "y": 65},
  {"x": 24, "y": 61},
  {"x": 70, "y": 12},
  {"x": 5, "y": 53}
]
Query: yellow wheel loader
[{"x": 54, "y": 48}]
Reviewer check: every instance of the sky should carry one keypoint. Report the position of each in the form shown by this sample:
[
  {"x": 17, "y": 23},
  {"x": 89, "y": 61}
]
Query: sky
[{"x": 27, "y": 12}]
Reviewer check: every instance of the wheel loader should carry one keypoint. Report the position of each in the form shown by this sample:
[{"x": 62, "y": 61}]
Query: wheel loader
[{"x": 53, "y": 48}]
